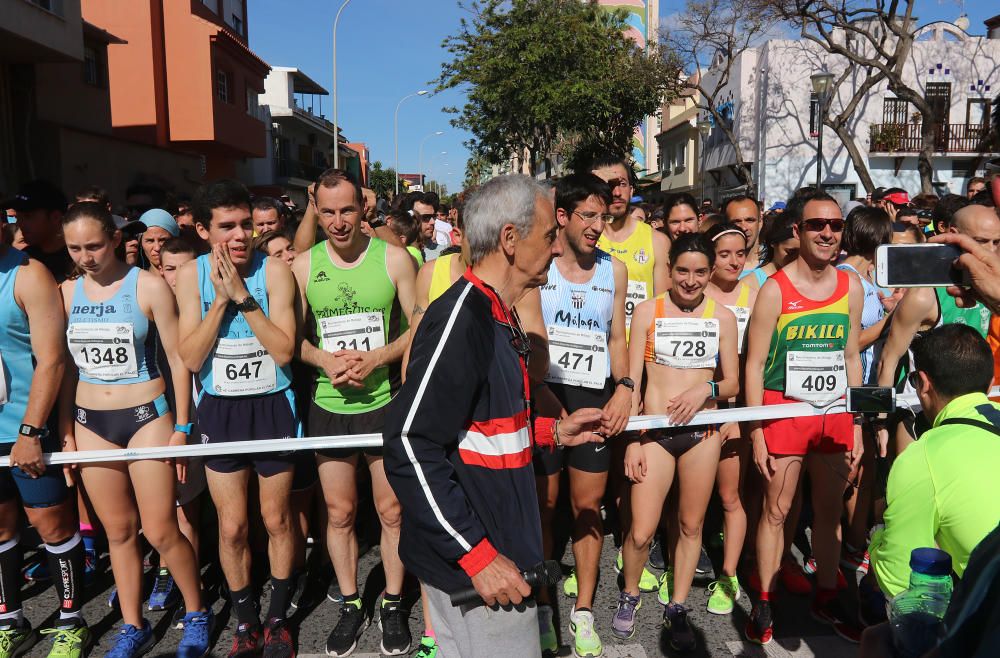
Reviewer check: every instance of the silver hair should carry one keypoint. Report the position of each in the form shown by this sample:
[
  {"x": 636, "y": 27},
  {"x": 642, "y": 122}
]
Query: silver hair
[{"x": 502, "y": 200}]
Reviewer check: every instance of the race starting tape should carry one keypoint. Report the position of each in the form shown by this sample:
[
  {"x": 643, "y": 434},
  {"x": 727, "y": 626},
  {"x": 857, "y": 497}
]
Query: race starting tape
[{"x": 712, "y": 417}]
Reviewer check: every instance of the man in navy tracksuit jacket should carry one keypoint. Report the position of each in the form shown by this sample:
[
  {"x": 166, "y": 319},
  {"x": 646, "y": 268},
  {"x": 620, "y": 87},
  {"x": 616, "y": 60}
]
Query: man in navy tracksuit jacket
[{"x": 459, "y": 435}]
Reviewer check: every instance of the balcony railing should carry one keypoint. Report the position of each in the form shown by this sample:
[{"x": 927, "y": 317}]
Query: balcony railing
[
  {"x": 948, "y": 138},
  {"x": 288, "y": 168}
]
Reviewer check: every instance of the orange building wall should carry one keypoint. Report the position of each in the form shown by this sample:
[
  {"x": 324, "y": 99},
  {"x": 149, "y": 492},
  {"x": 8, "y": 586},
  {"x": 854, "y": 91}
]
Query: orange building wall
[
  {"x": 135, "y": 69},
  {"x": 189, "y": 73}
]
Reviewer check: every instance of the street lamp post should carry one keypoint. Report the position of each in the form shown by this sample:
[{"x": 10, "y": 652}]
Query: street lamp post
[
  {"x": 704, "y": 127},
  {"x": 430, "y": 165},
  {"x": 395, "y": 130},
  {"x": 420, "y": 170},
  {"x": 821, "y": 86},
  {"x": 336, "y": 129}
]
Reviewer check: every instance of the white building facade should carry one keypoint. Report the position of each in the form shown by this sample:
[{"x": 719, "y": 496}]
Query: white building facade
[{"x": 773, "y": 111}]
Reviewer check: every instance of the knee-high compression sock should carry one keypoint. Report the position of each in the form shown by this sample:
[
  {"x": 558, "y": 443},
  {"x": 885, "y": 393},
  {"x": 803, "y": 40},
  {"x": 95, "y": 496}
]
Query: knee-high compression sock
[
  {"x": 66, "y": 567},
  {"x": 10, "y": 583},
  {"x": 281, "y": 594}
]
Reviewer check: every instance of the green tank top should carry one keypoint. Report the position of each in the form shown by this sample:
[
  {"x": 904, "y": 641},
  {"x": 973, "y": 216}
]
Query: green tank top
[
  {"x": 977, "y": 317},
  {"x": 353, "y": 309}
]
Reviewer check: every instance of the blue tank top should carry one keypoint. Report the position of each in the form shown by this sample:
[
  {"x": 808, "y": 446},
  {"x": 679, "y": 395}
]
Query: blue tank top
[
  {"x": 871, "y": 313},
  {"x": 238, "y": 365},
  {"x": 581, "y": 306},
  {"x": 15, "y": 349},
  {"x": 112, "y": 342}
]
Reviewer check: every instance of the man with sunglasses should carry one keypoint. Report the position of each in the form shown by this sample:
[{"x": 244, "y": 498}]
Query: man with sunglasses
[
  {"x": 643, "y": 250},
  {"x": 922, "y": 309},
  {"x": 583, "y": 305},
  {"x": 803, "y": 346},
  {"x": 424, "y": 208}
]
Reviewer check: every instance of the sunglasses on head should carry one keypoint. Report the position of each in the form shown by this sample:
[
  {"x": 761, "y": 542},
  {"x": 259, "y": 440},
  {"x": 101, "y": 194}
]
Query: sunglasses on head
[{"x": 817, "y": 224}]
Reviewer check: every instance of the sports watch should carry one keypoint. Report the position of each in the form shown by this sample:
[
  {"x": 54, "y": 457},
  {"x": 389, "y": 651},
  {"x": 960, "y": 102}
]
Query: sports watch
[
  {"x": 626, "y": 382},
  {"x": 247, "y": 305},
  {"x": 31, "y": 431}
]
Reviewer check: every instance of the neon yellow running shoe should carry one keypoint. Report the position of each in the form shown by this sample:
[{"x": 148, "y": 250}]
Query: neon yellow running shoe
[
  {"x": 547, "y": 631},
  {"x": 666, "y": 584},
  {"x": 15, "y": 640},
  {"x": 725, "y": 592},
  {"x": 69, "y": 641},
  {"x": 586, "y": 642},
  {"x": 570, "y": 587},
  {"x": 647, "y": 581}
]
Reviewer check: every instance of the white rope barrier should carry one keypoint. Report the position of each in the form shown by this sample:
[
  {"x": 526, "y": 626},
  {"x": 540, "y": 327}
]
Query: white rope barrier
[{"x": 712, "y": 417}]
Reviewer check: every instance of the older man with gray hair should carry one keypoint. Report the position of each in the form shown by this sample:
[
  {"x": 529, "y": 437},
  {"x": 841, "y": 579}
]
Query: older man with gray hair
[{"x": 459, "y": 436}]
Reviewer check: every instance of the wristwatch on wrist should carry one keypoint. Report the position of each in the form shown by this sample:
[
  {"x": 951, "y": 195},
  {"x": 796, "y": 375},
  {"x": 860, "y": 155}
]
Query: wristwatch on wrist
[
  {"x": 31, "y": 431},
  {"x": 247, "y": 305},
  {"x": 378, "y": 221},
  {"x": 626, "y": 382}
]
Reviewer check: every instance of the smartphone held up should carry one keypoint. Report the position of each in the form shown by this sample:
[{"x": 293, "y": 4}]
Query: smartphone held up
[{"x": 918, "y": 265}]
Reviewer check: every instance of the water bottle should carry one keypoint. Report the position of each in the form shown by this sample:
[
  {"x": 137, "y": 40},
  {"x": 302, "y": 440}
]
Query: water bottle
[{"x": 916, "y": 613}]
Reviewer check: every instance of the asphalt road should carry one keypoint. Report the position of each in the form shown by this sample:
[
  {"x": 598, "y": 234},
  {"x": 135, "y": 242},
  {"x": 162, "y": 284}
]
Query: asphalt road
[{"x": 796, "y": 633}]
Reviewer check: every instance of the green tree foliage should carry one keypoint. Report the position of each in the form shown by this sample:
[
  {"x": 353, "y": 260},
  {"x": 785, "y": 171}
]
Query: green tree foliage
[
  {"x": 382, "y": 181},
  {"x": 538, "y": 73}
]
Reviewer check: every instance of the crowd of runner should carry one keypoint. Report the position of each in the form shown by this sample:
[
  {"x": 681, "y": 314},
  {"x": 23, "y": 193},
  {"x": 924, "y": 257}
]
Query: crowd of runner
[{"x": 224, "y": 317}]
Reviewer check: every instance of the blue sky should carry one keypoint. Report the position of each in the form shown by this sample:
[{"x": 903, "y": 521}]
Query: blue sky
[{"x": 387, "y": 49}]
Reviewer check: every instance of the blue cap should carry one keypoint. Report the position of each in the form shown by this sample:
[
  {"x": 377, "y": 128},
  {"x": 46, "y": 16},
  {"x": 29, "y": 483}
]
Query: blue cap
[
  {"x": 930, "y": 562},
  {"x": 778, "y": 205},
  {"x": 161, "y": 219}
]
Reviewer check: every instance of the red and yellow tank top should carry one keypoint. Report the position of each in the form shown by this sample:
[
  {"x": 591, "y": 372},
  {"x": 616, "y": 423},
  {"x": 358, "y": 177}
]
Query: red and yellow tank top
[{"x": 806, "y": 330}]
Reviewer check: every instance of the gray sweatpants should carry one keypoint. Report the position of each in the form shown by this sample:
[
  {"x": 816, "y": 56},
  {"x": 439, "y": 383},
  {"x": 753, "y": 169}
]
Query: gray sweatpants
[{"x": 481, "y": 632}]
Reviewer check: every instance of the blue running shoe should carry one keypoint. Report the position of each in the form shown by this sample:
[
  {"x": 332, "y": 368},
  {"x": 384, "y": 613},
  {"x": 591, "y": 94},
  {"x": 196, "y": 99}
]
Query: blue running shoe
[
  {"x": 89, "y": 567},
  {"x": 132, "y": 641},
  {"x": 197, "y": 632},
  {"x": 38, "y": 572},
  {"x": 165, "y": 592}
]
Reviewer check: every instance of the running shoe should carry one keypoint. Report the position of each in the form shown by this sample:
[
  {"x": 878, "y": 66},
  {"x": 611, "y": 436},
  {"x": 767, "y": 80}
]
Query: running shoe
[
  {"x": 724, "y": 593},
  {"x": 165, "y": 592},
  {"x": 177, "y": 620},
  {"x": 132, "y": 641},
  {"x": 301, "y": 583},
  {"x": 247, "y": 642},
  {"x": 393, "y": 621},
  {"x": 704, "y": 568},
  {"x": 793, "y": 579},
  {"x": 656, "y": 555},
  {"x": 344, "y": 637},
  {"x": 858, "y": 561},
  {"x": 428, "y": 648},
  {"x": 15, "y": 640},
  {"x": 760, "y": 625},
  {"x": 623, "y": 624},
  {"x": 38, "y": 572},
  {"x": 69, "y": 641},
  {"x": 278, "y": 642},
  {"x": 664, "y": 586},
  {"x": 676, "y": 622},
  {"x": 195, "y": 643},
  {"x": 809, "y": 567},
  {"x": 547, "y": 631},
  {"x": 333, "y": 594},
  {"x": 835, "y": 614},
  {"x": 570, "y": 586},
  {"x": 647, "y": 581},
  {"x": 89, "y": 566},
  {"x": 586, "y": 642}
]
